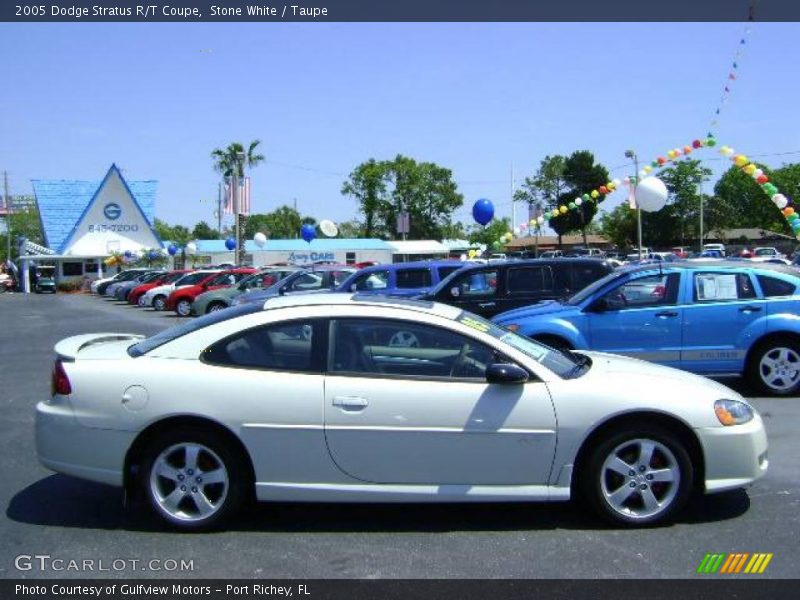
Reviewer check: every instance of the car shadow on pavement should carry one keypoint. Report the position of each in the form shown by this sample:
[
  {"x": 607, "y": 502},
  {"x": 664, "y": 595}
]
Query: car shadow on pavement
[{"x": 90, "y": 505}]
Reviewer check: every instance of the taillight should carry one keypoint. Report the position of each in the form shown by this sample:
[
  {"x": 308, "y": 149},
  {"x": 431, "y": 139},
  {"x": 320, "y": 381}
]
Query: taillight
[{"x": 60, "y": 384}]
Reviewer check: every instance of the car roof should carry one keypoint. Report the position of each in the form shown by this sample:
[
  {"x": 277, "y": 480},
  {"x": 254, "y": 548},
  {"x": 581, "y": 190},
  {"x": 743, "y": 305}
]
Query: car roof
[
  {"x": 696, "y": 265},
  {"x": 416, "y": 264},
  {"x": 568, "y": 260},
  {"x": 339, "y": 299}
]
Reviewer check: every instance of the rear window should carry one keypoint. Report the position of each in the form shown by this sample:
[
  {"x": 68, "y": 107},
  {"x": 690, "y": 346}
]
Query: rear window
[
  {"x": 174, "y": 333},
  {"x": 772, "y": 286},
  {"x": 413, "y": 278}
]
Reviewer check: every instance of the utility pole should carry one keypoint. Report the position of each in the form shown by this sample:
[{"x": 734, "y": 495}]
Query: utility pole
[
  {"x": 238, "y": 207},
  {"x": 7, "y": 202},
  {"x": 219, "y": 209},
  {"x": 701, "y": 216},
  {"x": 632, "y": 154}
]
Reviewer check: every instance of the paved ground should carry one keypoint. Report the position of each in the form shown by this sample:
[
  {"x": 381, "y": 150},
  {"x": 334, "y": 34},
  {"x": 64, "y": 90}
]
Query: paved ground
[{"x": 70, "y": 519}]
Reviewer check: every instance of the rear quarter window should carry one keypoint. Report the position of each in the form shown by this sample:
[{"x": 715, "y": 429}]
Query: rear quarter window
[
  {"x": 529, "y": 279},
  {"x": 772, "y": 286},
  {"x": 413, "y": 278}
]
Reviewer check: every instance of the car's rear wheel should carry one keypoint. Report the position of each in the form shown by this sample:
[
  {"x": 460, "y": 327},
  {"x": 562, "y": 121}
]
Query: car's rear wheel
[
  {"x": 159, "y": 302},
  {"x": 183, "y": 308},
  {"x": 216, "y": 306},
  {"x": 193, "y": 479},
  {"x": 774, "y": 367},
  {"x": 141, "y": 302},
  {"x": 639, "y": 476}
]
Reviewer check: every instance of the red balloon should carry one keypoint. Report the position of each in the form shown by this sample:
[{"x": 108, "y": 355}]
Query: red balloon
[
  {"x": 762, "y": 179},
  {"x": 603, "y": 189},
  {"x": 687, "y": 149},
  {"x": 661, "y": 160},
  {"x": 697, "y": 144}
]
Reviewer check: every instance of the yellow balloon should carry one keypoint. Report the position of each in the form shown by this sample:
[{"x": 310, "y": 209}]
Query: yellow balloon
[
  {"x": 648, "y": 168},
  {"x": 749, "y": 168},
  {"x": 471, "y": 253},
  {"x": 671, "y": 154},
  {"x": 740, "y": 160},
  {"x": 594, "y": 194},
  {"x": 562, "y": 209}
]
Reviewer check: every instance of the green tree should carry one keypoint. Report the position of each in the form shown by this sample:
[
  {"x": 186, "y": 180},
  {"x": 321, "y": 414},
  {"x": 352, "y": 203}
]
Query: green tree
[
  {"x": 282, "y": 223},
  {"x": 582, "y": 175},
  {"x": 351, "y": 229},
  {"x": 233, "y": 159},
  {"x": 619, "y": 226},
  {"x": 23, "y": 223},
  {"x": 367, "y": 184},
  {"x": 490, "y": 234},
  {"x": 204, "y": 231},
  {"x": 543, "y": 190},
  {"x": 678, "y": 223}
]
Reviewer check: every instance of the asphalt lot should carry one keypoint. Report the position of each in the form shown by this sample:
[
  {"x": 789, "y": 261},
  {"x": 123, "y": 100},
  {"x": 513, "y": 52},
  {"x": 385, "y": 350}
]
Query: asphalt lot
[{"x": 49, "y": 514}]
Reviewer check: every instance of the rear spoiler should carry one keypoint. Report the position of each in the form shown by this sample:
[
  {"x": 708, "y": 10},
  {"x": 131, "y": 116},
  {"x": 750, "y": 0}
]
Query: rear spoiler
[{"x": 68, "y": 349}]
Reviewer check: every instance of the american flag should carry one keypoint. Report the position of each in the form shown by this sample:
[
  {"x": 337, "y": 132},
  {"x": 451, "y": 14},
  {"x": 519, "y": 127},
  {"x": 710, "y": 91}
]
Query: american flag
[{"x": 244, "y": 196}]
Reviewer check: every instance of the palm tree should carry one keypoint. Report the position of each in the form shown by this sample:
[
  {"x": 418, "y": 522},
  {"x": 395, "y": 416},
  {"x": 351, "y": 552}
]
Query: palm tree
[{"x": 233, "y": 159}]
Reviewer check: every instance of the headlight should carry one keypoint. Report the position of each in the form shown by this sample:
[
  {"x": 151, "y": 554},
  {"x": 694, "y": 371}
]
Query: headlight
[{"x": 732, "y": 412}]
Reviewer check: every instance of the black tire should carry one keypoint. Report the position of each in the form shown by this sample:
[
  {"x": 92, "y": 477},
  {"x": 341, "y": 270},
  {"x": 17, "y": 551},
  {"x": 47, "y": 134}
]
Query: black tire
[
  {"x": 217, "y": 453},
  {"x": 604, "y": 488},
  {"x": 215, "y": 306},
  {"x": 773, "y": 366},
  {"x": 159, "y": 302}
]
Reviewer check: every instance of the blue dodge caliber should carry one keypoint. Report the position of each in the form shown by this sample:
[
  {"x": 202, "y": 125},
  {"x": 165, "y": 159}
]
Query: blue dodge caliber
[{"x": 713, "y": 318}]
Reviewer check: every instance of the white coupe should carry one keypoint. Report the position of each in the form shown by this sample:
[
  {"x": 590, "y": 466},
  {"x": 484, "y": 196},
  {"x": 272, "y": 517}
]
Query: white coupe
[{"x": 340, "y": 398}]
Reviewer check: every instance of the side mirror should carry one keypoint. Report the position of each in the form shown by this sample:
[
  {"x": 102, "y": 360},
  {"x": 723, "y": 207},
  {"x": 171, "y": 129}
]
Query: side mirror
[
  {"x": 505, "y": 373},
  {"x": 282, "y": 290},
  {"x": 455, "y": 292}
]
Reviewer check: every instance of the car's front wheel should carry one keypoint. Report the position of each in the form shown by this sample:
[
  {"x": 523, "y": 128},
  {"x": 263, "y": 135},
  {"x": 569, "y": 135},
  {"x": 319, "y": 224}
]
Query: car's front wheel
[
  {"x": 216, "y": 306},
  {"x": 183, "y": 308},
  {"x": 639, "y": 476},
  {"x": 193, "y": 480},
  {"x": 774, "y": 367},
  {"x": 159, "y": 302}
]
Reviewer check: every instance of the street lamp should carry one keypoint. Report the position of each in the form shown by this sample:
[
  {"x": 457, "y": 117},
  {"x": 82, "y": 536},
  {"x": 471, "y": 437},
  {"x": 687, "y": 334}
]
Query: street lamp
[{"x": 635, "y": 183}]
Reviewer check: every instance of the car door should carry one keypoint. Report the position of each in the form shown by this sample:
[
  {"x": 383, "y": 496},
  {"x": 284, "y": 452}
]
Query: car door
[
  {"x": 408, "y": 403},
  {"x": 722, "y": 317},
  {"x": 268, "y": 380},
  {"x": 476, "y": 291},
  {"x": 640, "y": 317},
  {"x": 526, "y": 285}
]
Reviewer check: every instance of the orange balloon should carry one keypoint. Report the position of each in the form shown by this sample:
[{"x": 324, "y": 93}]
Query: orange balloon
[{"x": 788, "y": 211}]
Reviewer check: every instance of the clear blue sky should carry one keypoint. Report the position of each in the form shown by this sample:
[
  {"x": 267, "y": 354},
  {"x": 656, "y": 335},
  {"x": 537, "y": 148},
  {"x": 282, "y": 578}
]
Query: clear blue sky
[{"x": 157, "y": 98}]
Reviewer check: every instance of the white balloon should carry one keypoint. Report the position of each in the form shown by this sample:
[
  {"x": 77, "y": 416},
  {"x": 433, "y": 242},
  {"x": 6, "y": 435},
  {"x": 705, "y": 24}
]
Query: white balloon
[
  {"x": 757, "y": 173},
  {"x": 329, "y": 228},
  {"x": 463, "y": 257},
  {"x": 651, "y": 194},
  {"x": 578, "y": 201},
  {"x": 478, "y": 252},
  {"x": 540, "y": 220},
  {"x": 780, "y": 201},
  {"x": 617, "y": 183},
  {"x": 191, "y": 248},
  {"x": 260, "y": 239}
]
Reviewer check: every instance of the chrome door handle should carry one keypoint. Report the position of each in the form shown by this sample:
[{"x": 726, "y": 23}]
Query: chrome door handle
[
  {"x": 350, "y": 402},
  {"x": 666, "y": 313},
  {"x": 485, "y": 304}
]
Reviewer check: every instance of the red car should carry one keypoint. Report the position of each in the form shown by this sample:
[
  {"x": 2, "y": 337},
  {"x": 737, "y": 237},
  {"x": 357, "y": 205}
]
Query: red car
[
  {"x": 166, "y": 278},
  {"x": 181, "y": 299}
]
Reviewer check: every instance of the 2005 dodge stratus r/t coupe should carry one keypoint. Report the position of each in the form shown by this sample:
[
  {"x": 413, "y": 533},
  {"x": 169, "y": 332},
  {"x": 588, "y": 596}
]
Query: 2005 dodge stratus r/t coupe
[{"x": 319, "y": 397}]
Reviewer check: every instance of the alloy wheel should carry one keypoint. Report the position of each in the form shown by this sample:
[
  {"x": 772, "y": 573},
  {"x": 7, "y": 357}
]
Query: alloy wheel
[{"x": 779, "y": 369}]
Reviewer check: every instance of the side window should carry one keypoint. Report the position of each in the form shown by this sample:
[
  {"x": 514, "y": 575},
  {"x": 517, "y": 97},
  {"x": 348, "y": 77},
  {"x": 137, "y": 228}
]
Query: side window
[
  {"x": 584, "y": 275},
  {"x": 338, "y": 277},
  {"x": 529, "y": 279},
  {"x": 654, "y": 290},
  {"x": 481, "y": 284},
  {"x": 413, "y": 278},
  {"x": 719, "y": 287},
  {"x": 445, "y": 271},
  {"x": 375, "y": 280},
  {"x": 306, "y": 281},
  {"x": 772, "y": 286},
  {"x": 283, "y": 346},
  {"x": 383, "y": 347}
]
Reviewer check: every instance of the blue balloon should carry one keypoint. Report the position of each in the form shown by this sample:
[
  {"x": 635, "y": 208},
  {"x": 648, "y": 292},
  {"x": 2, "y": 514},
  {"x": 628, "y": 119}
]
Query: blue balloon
[
  {"x": 172, "y": 249},
  {"x": 483, "y": 211},
  {"x": 128, "y": 254},
  {"x": 230, "y": 243},
  {"x": 308, "y": 232},
  {"x": 153, "y": 255}
]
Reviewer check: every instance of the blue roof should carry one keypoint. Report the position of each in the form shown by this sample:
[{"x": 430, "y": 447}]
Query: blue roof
[
  {"x": 318, "y": 245},
  {"x": 63, "y": 202}
]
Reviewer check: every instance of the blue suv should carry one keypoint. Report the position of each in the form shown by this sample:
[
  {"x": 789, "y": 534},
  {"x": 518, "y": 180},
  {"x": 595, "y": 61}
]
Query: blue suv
[
  {"x": 713, "y": 318},
  {"x": 400, "y": 279}
]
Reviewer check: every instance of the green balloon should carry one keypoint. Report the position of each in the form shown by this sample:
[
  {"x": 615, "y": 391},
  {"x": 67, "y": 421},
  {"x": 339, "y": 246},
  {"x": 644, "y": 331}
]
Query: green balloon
[
  {"x": 793, "y": 217},
  {"x": 586, "y": 197},
  {"x": 654, "y": 164},
  {"x": 571, "y": 206},
  {"x": 711, "y": 142}
]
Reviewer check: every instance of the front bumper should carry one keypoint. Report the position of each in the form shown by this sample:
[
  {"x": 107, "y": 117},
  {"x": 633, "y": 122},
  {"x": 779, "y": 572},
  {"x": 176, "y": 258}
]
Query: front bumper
[
  {"x": 65, "y": 446},
  {"x": 735, "y": 456}
]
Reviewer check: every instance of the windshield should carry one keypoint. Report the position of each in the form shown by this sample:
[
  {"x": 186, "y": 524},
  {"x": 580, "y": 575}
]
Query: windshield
[
  {"x": 150, "y": 277},
  {"x": 562, "y": 364},
  {"x": 586, "y": 292},
  {"x": 174, "y": 333},
  {"x": 192, "y": 278},
  {"x": 765, "y": 252}
]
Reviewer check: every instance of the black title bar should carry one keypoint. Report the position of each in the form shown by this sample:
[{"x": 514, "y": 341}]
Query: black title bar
[{"x": 397, "y": 10}]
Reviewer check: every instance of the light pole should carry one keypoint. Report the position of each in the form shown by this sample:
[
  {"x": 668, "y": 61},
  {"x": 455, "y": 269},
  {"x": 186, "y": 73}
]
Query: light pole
[
  {"x": 635, "y": 183},
  {"x": 237, "y": 206}
]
